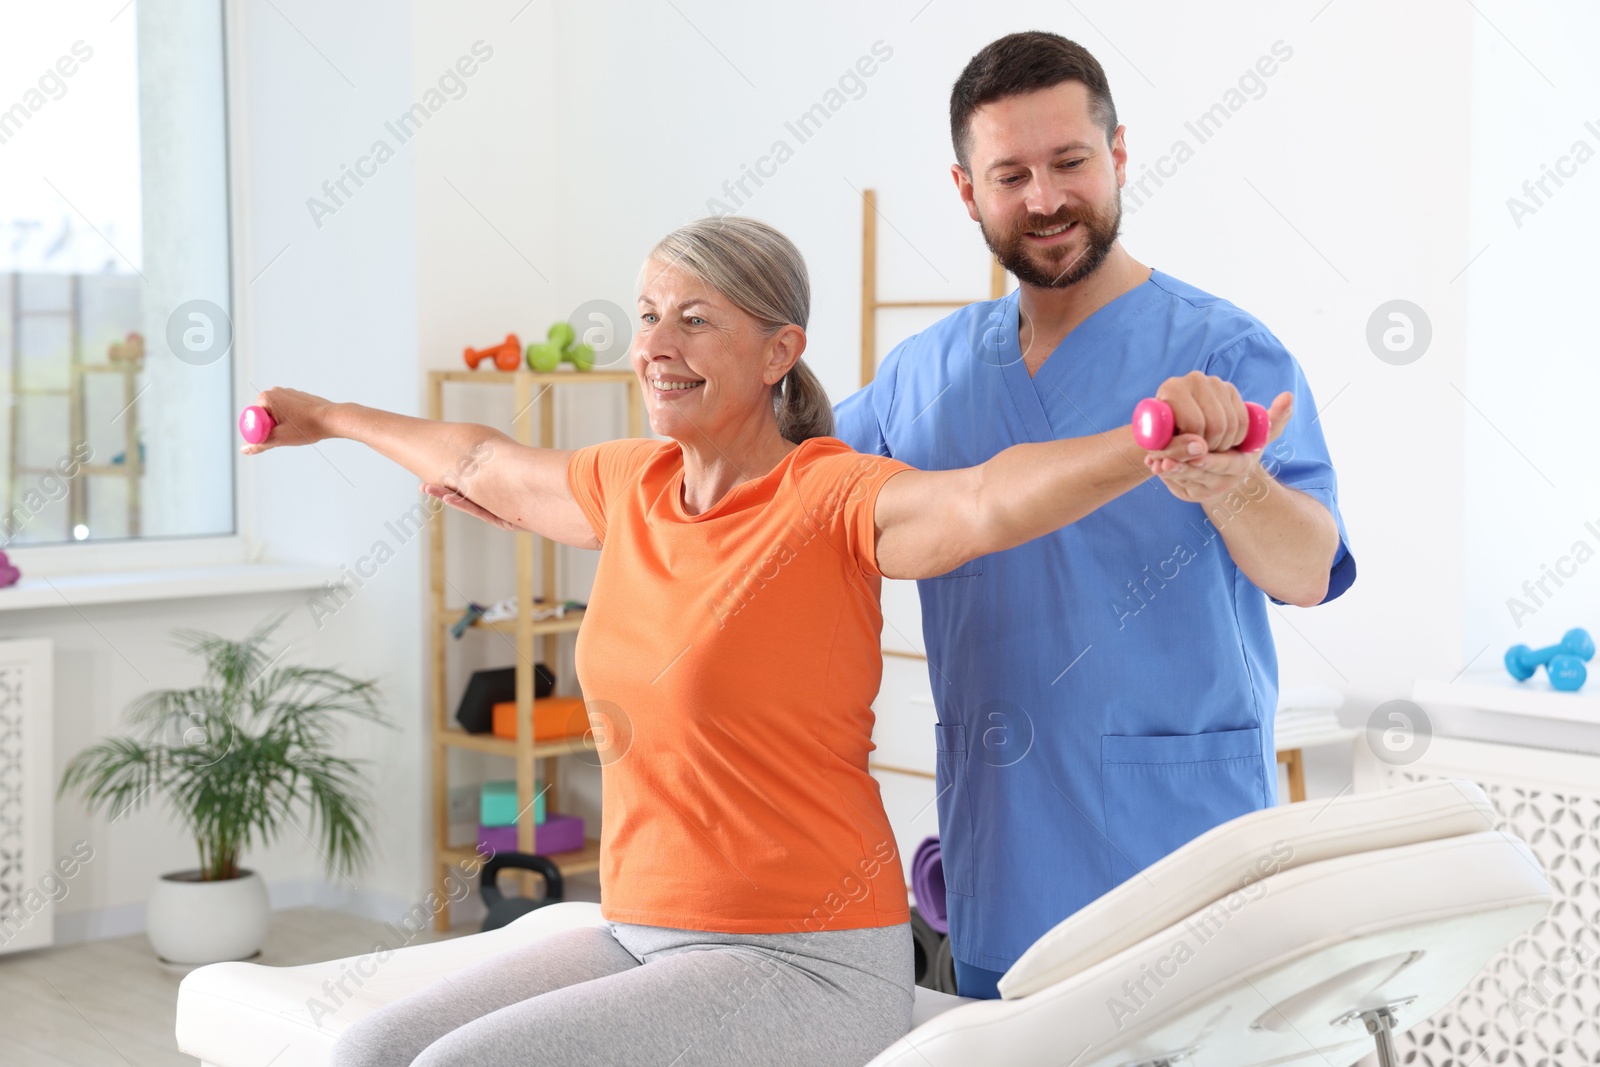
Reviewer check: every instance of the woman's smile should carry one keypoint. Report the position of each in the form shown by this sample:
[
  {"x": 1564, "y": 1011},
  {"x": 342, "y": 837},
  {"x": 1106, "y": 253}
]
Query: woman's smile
[{"x": 667, "y": 388}]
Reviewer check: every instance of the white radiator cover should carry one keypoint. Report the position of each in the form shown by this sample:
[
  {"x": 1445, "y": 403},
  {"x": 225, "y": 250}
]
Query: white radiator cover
[
  {"x": 28, "y": 882},
  {"x": 1537, "y": 1004}
]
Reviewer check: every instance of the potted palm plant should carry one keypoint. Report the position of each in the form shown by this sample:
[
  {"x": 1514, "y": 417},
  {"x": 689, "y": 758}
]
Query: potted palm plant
[{"x": 237, "y": 759}]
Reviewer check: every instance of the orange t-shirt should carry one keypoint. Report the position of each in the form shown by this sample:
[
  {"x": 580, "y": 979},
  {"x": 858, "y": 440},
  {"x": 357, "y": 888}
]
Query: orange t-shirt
[{"x": 729, "y": 661}]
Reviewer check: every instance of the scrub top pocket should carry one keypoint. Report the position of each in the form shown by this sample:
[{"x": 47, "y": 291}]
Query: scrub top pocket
[
  {"x": 1160, "y": 793},
  {"x": 956, "y": 847}
]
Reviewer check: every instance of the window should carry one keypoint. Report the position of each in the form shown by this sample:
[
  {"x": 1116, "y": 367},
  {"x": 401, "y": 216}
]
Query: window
[{"x": 116, "y": 343}]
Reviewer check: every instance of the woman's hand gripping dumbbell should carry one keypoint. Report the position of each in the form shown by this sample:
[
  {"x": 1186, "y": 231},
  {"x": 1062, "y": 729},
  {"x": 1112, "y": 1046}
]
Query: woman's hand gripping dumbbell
[{"x": 283, "y": 417}]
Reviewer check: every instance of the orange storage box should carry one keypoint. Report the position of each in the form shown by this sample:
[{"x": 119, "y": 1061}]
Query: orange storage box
[{"x": 554, "y": 719}]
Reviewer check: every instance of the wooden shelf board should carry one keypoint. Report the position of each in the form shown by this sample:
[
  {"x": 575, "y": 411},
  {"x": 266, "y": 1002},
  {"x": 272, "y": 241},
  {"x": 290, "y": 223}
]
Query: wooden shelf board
[
  {"x": 504, "y": 746},
  {"x": 1290, "y": 740},
  {"x": 577, "y": 861},
  {"x": 567, "y": 624},
  {"x": 506, "y": 377}
]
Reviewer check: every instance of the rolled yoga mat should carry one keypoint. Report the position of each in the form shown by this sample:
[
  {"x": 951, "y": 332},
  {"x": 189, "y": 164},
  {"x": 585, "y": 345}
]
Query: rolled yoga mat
[
  {"x": 944, "y": 968},
  {"x": 927, "y": 884},
  {"x": 925, "y": 943}
]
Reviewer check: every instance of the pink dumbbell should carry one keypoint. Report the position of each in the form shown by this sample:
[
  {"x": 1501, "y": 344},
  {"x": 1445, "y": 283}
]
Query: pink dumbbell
[
  {"x": 1152, "y": 425},
  {"x": 255, "y": 424}
]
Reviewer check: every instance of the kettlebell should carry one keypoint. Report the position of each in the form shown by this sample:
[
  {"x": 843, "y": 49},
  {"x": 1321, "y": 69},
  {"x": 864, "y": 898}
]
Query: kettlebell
[{"x": 504, "y": 909}]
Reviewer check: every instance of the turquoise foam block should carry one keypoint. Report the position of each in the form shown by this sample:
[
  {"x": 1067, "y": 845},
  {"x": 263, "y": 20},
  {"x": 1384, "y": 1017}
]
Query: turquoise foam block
[{"x": 497, "y": 803}]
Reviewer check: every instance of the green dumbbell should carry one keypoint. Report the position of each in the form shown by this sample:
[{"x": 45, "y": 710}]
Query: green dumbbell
[
  {"x": 580, "y": 356},
  {"x": 543, "y": 357}
]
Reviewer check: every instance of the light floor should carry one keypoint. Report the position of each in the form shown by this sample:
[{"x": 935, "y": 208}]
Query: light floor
[{"x": 112, "y": 1003}]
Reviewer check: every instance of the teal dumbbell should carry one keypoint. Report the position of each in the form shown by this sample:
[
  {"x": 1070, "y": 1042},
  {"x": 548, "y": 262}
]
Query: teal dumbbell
[{"x": 1564, "y": 662}]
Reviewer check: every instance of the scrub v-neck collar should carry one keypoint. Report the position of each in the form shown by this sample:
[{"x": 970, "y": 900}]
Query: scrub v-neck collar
[{"x": 1030, "y": 392}]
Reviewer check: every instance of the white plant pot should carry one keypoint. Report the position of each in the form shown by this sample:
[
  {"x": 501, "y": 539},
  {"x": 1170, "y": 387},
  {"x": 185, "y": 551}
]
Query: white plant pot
[{"x": 190, "y": 921}]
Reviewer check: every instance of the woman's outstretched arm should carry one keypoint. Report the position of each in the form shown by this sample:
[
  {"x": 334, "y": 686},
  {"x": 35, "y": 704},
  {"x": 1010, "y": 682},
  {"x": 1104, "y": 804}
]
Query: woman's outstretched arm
[
  {"x": 525, "y": 487},
  {"x": 931, "y": 522}
]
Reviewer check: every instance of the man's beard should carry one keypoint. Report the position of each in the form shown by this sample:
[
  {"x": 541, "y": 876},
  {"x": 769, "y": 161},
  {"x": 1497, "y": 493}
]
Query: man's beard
[{"x": 1062, "y": 266}]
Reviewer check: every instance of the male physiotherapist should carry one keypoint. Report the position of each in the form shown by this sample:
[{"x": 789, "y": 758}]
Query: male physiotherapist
[{"x": 1105, "y": 693}]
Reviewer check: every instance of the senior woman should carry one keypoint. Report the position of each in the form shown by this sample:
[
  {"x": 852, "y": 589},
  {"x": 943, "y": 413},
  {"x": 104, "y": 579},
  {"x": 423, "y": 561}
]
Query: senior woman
[{"x": 756, "y": 911}]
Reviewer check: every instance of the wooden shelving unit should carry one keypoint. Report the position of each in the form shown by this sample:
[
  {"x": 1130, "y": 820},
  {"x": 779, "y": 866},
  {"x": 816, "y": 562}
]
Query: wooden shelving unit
[
  {"x": 533, "y": 640},
  {"x": 76, "y": 396}
]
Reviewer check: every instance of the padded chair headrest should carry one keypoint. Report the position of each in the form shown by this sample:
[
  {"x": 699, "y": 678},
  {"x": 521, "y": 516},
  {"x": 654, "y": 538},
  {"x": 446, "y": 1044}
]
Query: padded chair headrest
[{"x": 1231, "y": 860}]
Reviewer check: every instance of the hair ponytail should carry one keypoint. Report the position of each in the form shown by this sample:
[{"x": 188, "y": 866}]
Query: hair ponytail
[{"x": 802, "y": 403}]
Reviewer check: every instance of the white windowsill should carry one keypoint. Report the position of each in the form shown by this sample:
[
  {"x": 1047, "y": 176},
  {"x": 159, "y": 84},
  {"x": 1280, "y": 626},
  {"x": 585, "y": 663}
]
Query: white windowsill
[
  {"x": 118, "y": 587},
  {"x": 1495, "y": 690}
]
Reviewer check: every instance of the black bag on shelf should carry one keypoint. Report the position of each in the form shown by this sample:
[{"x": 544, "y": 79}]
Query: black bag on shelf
[{"x": 485, "y": 689}]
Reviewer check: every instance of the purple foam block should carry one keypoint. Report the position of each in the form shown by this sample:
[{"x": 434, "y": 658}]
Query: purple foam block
[
  {"x": 560, "y": 833},
  {"x": 496, "y": 839}
]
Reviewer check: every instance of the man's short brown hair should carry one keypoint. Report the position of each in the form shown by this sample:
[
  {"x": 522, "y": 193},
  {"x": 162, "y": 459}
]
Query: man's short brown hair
[{"x": 1025, "y": 63}]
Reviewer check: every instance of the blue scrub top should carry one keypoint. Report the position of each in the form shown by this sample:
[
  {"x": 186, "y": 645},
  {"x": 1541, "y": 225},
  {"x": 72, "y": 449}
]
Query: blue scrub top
[{"x": 1105, "y": 693}]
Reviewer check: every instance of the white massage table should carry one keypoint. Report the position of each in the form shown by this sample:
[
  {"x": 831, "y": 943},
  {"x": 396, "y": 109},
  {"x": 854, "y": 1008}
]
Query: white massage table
[{"x": 1301, "y": 935}]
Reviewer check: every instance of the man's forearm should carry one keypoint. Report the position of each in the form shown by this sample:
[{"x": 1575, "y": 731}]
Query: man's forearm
[
  {"x": 1282, "y": 539},
  {"x": 439, "y": 452}
]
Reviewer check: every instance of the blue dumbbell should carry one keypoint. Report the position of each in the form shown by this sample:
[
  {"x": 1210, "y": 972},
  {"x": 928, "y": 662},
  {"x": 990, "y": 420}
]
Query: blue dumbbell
[
  {"x": 1567, "y": 673},
  {"x": 1523, "y": 661}
]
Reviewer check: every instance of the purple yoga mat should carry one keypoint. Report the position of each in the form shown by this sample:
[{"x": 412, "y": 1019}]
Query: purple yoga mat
[
  {"x": 560, "y": 833},
  {"x": 927, "y": 884}
]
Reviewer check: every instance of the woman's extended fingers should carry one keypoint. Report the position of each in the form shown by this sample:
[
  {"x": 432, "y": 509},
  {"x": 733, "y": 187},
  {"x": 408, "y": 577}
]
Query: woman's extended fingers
[
  {"x": 1278, "y": 415},
  {"x": 461, "y": 503},
  {"x": 1183, "y": 448}
]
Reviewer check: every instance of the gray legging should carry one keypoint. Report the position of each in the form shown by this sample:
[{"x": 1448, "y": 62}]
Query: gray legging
[{"x": 653, "y": 995}]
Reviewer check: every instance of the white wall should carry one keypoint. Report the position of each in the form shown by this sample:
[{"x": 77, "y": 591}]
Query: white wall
[
  {"x": 331, "y": 309},
  {"x": 1532, "y": 499}
]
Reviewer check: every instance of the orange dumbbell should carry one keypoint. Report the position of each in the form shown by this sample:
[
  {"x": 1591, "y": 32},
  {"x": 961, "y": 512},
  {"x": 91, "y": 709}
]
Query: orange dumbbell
[{"x": 507, "y": 355}]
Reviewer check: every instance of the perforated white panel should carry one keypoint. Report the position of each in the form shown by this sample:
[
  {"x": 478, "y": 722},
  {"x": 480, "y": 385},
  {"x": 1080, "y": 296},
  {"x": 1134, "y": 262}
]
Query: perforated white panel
[
  {"x": 26, "y": 795},
  {"x": 1537, "y": 1004}
]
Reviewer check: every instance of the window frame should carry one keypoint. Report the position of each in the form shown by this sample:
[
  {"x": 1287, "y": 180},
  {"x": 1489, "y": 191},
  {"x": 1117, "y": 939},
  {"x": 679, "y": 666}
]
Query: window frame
[{"x": 240, "y": 546}]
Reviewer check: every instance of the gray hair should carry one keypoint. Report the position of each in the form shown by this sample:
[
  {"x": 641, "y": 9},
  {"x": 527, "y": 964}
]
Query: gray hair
[{"x": 763, "y": 274}]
